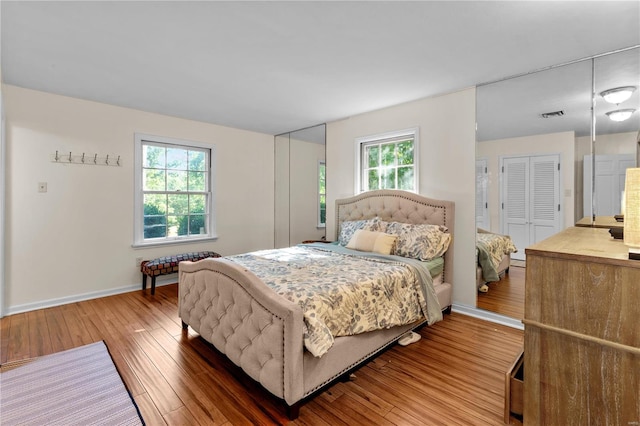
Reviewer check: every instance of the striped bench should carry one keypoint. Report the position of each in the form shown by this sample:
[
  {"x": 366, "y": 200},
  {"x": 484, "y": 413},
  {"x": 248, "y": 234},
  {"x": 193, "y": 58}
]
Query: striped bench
[{"x": 168, "y": 265}]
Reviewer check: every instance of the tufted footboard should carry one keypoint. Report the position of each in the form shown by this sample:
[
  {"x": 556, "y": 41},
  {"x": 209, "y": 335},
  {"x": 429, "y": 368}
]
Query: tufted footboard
[
  {"x": 247, "y": 321},
  {"x": 262, "y": 332}
]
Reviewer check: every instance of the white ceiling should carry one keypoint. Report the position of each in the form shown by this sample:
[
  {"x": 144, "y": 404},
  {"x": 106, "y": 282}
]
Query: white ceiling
[
  {"x": 273, "y": 67},
  {"x": 513, "y": 108}
]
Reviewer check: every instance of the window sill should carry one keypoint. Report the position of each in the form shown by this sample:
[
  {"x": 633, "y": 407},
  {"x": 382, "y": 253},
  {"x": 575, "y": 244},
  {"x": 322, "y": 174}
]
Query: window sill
[{"x": 177, "y": 241}]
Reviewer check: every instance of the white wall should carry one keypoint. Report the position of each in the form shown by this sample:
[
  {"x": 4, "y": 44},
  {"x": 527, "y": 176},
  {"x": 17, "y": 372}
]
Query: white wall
[
  {"x": 553, "y": 143},
  {"x": 2, "y": 198},
  {"x": 446, "y": 161},
  {"x": 282, "y": 190},
  {"x": 615, "y": 143},
  {"x": 305, "y": 157},
  {"x": 75, "y": 239}
]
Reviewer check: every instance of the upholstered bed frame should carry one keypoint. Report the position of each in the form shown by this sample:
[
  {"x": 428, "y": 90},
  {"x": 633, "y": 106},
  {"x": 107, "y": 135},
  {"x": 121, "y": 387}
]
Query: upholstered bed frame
[
  {"x": 503, "y": 268},
  {"x": 263, "y": 333}
]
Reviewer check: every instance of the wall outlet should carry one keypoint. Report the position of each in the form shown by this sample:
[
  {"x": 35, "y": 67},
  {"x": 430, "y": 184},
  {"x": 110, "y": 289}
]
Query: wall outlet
[{"x": 138, "y": 261}]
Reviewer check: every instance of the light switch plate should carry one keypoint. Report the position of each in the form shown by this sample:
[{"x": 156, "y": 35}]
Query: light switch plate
[{"x": 42, "y": 186}]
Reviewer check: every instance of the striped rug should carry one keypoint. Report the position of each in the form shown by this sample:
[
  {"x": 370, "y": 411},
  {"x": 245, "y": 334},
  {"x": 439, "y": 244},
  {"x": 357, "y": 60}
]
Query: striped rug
[{"x": 80, "y": 386}]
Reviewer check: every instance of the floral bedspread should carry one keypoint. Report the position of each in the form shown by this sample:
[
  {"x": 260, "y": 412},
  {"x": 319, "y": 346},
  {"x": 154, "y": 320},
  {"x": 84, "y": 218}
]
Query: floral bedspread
[
  {"x": 490, "y": 249},
  {"x": 342, "y": 292}
]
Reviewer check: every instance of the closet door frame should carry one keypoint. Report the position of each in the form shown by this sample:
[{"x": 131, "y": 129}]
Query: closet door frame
[{"x": 525, "y": 228}]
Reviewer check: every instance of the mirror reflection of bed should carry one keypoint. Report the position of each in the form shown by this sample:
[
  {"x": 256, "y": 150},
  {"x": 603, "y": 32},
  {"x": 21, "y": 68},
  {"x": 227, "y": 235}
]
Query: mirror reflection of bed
[
  {"x": 499, "y": 279},
  {"x": 523, "y": 157}
]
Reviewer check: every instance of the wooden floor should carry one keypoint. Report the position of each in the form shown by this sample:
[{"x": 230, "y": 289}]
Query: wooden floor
[
  {"x": 506, "y": 296},
  {"x": 453, "y": 375}
]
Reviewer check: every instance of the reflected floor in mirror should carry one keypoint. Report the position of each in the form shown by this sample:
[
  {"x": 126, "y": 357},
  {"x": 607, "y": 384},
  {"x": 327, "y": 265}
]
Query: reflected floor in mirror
[{"x": 505, "y": 297}]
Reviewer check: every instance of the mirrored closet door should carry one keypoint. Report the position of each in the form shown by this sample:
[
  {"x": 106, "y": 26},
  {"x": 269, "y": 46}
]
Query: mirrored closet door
[
  {"x": 557, "y": 114},
  {"x": 300, "y": 177}
]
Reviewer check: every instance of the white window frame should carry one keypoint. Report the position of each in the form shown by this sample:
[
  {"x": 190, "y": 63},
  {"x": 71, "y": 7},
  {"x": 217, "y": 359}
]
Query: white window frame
[
  {"x": 380, "y": 138},
  {"x": 322, "y": 163},
  {"x": 138, "y": 228}
]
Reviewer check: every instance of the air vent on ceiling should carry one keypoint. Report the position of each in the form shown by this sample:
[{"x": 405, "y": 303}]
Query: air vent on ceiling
[{"x": 552, "y": 114}]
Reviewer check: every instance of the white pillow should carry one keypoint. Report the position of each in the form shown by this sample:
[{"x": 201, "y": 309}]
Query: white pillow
[
  {"x": 347, "y": 228},
  {"x": 376, "y": 242}
]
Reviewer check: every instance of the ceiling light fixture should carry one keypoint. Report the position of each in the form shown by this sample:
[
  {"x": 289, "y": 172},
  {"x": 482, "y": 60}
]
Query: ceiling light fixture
[
  {"x": 618, "y": 95},
  {"x": 620, "y": 114}
]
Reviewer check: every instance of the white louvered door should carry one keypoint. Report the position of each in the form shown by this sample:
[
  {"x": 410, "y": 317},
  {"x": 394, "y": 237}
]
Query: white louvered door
[
  {"x": 515, "y": 202},
  {"x": 530, "y": 199}
]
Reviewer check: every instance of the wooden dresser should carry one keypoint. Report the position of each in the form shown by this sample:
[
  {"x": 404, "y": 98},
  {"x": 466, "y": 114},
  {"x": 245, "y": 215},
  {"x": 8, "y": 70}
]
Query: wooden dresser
[{"x": 582, "y": 331}]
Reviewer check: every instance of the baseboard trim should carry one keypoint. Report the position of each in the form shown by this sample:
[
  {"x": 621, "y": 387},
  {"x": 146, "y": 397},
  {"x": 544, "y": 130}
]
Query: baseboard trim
[
  {"x": 171, "y": 279},
  {"x": 18, "y": 309},
  {"x": 488, "y": 316}
]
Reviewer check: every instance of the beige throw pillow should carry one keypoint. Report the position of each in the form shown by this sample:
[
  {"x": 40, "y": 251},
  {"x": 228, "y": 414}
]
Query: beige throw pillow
[{"x": 376, "y": 242}]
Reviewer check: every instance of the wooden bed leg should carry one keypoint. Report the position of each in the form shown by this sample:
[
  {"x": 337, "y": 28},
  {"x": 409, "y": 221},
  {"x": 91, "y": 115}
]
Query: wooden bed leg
[
  {"x": 293, "y": 411},
  {"x": 447, "y": 310},
  {"x": 184, "y": 325},
  {"x": 346, "y": 377}
]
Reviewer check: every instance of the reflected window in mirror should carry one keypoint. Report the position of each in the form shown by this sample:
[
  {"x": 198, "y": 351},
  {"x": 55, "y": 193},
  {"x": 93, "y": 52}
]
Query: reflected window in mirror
[
  {"x": 482, "y": 194},
  {"x": 388, "y": 161},
  {"x": 322, "y": 194}
]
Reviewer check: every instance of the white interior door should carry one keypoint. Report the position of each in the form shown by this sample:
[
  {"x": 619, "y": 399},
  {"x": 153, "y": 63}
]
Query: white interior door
[
  {"x": 515, "y": 202},
  {"x": 482, "y": 197},
  {"x": 545, "y": 197},
  {"x": 530, "y": 199},
  {"x": 609, "y": 182}
]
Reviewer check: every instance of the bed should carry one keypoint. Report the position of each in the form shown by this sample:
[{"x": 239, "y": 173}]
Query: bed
[
  {"x": 493, "y": 254},
  {"x": 266, "y": 334}
]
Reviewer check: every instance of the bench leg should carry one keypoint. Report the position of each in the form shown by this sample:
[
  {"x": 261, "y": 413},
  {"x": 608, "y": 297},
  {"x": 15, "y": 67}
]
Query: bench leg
[
  {"x": 153, "y": 285},
  {"x": 144, "y": 281}
]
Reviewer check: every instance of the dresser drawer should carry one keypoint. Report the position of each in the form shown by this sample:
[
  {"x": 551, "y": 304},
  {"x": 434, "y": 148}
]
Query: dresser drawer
[{"x": 514, "y": 389}]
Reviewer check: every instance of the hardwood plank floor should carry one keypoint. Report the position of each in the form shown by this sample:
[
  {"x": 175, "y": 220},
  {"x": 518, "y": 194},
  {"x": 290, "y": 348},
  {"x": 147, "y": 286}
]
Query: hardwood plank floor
[
  {"x": 453, "y": 375},
  {"x": 506, "y": 296}
]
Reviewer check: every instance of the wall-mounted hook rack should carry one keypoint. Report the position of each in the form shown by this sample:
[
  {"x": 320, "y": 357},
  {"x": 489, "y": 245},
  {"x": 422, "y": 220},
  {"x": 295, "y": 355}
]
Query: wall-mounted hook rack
[{"x": 98, "y": 160}]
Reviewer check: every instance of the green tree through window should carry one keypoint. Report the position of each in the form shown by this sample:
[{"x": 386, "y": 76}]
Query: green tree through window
[
  {"x": 175, "y": 189},
  {"x": 388, "y": 163},
  {"x": 322, "y": 194}
]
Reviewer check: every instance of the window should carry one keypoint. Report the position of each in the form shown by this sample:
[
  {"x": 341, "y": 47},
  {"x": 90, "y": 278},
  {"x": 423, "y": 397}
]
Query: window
[
  {"x": 174, "y": 200},
  {"x": 322, "y": 195},
  {"x": 387, "y": 161}
]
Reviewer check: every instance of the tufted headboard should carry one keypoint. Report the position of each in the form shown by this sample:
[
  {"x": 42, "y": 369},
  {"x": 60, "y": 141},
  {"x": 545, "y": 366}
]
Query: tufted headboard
[{"x": 400, "y": 206}]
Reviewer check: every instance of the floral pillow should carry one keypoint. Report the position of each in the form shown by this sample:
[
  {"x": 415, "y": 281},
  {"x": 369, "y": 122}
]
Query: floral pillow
[
  {"x": 424, "y": 242},
  {"x": 349, "y": 227}
]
